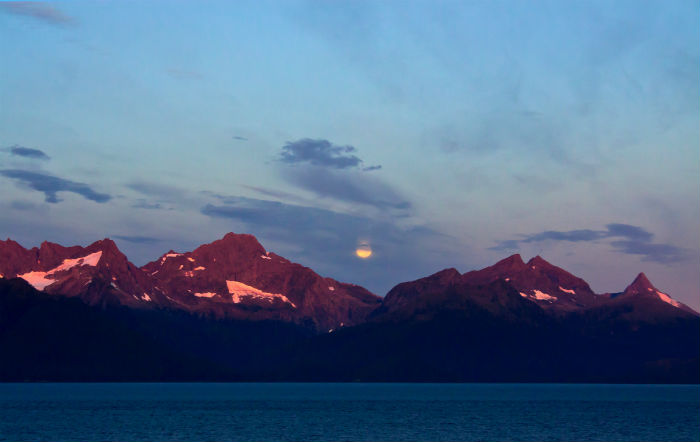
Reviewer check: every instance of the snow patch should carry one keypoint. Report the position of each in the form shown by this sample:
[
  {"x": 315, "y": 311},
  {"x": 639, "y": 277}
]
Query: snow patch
[
  {"x": 37, "y": 279},
  {"x": 200, "y": 268},
  {"x": 172, "y": 255},
  {"x": 650, "y": 289},
  {"x": 507, "y": 279},
  {"x": 145, "y": 297},
  {"x": 238, "y": 290},
  {"x": 41, "y": 280},
  {"x": 331, "y": 288},
  {"x": 205, "y": 294},
  {"x": 265, "y": 257},
  {"x": 189, "y": 274},
  {"x": 190, "y": 259},
  {"x": 667, "y": 299},
  {"x": 541, "y": 296},
  {"x": 524, "y": 295},
  {"x": 89, "y": 260},
  {"x": 567, "y": 290},
  {"x": 180, "y": 268}
]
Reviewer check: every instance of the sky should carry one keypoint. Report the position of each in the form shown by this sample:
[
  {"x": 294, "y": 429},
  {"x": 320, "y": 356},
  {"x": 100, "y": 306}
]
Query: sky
[{"x": 440, "y": 134}]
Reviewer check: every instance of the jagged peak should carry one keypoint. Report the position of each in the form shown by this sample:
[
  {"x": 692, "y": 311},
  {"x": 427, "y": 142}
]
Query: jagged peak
[
  {"x": 105, "y": 244},
  {"x": 239, "y": 240},
  {"x": 642, "y": 279},
  {"x": 641, "y": 284},
  {"x": 445, "y": 274},
  {"x": 231, "y": 236},
  {"x": 538, "y": 260},
  {"x": 512, "y": 260},
  {"x": 10, "y": 242}
]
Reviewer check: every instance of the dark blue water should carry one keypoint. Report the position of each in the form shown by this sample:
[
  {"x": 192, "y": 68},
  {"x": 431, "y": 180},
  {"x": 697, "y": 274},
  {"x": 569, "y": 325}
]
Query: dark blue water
[{"x": 229, "y": 412}]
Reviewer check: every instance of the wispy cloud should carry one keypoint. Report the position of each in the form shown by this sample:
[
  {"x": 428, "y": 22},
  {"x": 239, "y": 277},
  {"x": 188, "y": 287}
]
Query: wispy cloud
[
  {"x": 321, "y": 153},
  {"x": 137, "y": 239},
  {"x": 347, "y": 186},
  {"x": 144, "y": 204},
  {"x": 50, "y": 185},
  {"x": 28, "y": 152},
  {"x": 336, "y": 172},
  {"x": 149, "y": 188},
  {"x": 41, "y": 11},
  {"x": 627, "y": 239}
]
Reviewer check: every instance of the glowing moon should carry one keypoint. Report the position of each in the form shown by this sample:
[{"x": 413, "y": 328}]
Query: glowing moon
[{"x": 363, "y": 251}]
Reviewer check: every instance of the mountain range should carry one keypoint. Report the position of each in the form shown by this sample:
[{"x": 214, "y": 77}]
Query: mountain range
[{"x": 231, "y": 310}]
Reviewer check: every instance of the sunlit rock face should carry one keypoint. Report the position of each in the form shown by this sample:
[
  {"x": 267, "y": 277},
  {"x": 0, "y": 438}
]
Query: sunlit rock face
[
  {"x": 234, "y": 277},
  {"x": 511, "y": 287}
]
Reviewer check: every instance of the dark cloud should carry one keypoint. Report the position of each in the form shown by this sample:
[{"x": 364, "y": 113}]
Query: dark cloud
[
  {"x": 347, "y": 186},
  {"x": 28, "y": 152},
  {"x": 628, "y": 239},
  {"x": 627, "y": 231},
  {"x": 38, "y": 10},
  {"x": 239, "y": 138},
  {"x": 325, "y": 240},
  {"x": 371, "y": 168},
  {"x": 51, "y": 185},
  {"x": 571, "y": 235},
  {"x": 319, "y": 153},
  {"x": 137, "y": 239}
]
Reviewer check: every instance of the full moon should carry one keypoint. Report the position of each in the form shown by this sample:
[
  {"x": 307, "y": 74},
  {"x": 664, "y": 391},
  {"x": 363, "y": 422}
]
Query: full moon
[{"x": 363, "y": 251}]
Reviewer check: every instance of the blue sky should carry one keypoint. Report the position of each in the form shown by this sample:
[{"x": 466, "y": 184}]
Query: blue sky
[{"x": 444, "y": 134}]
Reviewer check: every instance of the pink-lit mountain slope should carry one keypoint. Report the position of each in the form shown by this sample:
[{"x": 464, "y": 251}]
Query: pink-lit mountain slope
[
  {"x": 234, "y": 277},
  {"x": 511, "y": 281}
]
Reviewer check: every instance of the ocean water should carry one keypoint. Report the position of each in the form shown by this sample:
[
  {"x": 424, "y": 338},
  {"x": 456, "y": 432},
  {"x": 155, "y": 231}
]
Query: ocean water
[{"x": 359, "y": 412}]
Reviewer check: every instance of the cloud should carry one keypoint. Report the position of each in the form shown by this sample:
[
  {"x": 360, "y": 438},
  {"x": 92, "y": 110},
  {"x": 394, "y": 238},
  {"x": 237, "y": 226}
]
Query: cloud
[
  {"x": 38, "y": 10},
  {"x": 325, "y": 240},
  {"x": 27, "y": 152},
  {"x": 628, "y": 239},
  {"x": 22, "y": 205},
  {"x": 332, "y": 171},
  {"x": 138, "y": 239},
  {"x": 51, "y": 185},
  {"x": 279, "y": 194},
  {"x": 143, "y": 204},
  {"x": 239, "y": 138},
  {"x": 571, "y": 235},
  {"x": 157, "y": 190},
  {"x": 319, "y": 153},
  {"x": 347, "y": 186},
  {"x": 661, "y": 253}
]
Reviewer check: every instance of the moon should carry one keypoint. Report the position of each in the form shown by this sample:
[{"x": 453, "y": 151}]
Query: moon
[{"x": 363, "y": 251}]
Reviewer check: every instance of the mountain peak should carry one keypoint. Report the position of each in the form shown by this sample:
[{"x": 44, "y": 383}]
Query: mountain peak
[
  {"x": 641, "y": 284},
  {"x": 538, "y": 260},
  {"x": 513, "y": 261}
]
